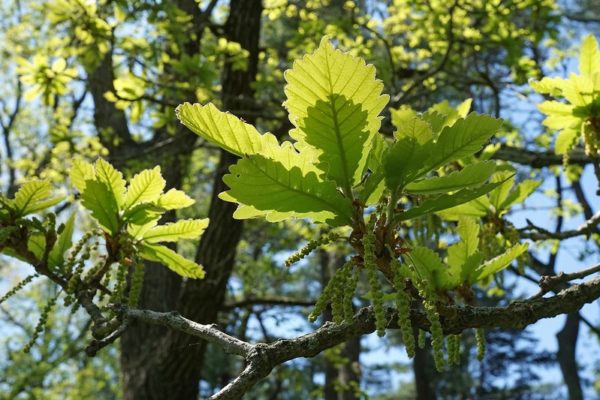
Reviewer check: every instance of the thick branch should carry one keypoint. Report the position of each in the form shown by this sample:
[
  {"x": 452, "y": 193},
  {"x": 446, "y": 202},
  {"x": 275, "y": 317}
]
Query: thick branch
[
  {"x": 262, "y": 358},
  {"x": 539, "y": 159}
]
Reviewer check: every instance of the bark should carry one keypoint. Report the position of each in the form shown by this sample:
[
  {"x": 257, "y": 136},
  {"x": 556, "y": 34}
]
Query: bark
[{"x": 567, "y": 344}]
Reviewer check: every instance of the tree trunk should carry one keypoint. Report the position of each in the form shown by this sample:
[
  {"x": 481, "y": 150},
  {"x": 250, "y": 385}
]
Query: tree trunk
[
  {"x": 163, "y": 364},
  {"x": 567, "y": 344}
]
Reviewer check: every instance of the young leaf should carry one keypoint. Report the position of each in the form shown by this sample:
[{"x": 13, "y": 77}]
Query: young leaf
[
  {"x": 34, "y": 196},
  {"x": 428, "y": 265},
  {"x": 183, "y": 229},
  {"x": 520, "y": 193},
  {"x": 334, "y": 101},
  {"x": 470, "y": 176},
  {"x": 224, "y": 129},
  {"x": 263, "y": 186},
  {"x": 99, "y": 199},
  {"x": 174, "y": 199},
  {"x": 446, "y": 201},
  {"x": 589, "y": 59},
  {"x": 145, "y": 187},
  {"x": 57, "y": 255},
  {"x": 112, "y": 178},
  {"x": 403, "y": 161},
  {"x": 81, "y": 171},
  {"x": 174, "y": 261},
  {"x": 498, "y": 263},
  {"x": 462, "y": 139}
]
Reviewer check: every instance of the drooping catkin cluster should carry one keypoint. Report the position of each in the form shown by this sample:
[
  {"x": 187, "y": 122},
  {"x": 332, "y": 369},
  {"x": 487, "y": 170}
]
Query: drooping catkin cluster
[
  {"x": 310, "y": 247},
  {"x": 41, "y": 325},
  {"x": 137, "y": 280},
  {"x": 375, "y": 291},
  {"x": 403, "y": 301},
  {"x": 453, "y": 342},
  {"x": 120, "y": 284},
  {"x": 433, "y": 316},
  {"x": 18, "y": 287},
  {"x": 75, "y": 262},
  {"x": 421, "y": 339},
  {"x": 332, "y": 293},
  {"x": 350, "y": 288},
  {"x": 480, "y": 339}
]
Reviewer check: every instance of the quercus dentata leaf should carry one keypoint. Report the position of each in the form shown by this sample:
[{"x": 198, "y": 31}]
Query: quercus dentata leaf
[
  {"x": 445, "y": 201},
  {"x": 266, "y": 187},
  {"x": 224, "y": 129},
  {"x": 182, "y": 229},
  {"x": 34, "y": 196},
  {"x": 174, "y": 199},
  {"x": 80, "y": 172},
  {"x": 334, "y": 102},
  {"x": 470, "y": 176},
  {"x": 145, "y": 187},
  {"x": 499, "y": 263},
  {"x": 63, "y": 243},
  {"x": 113, "y": 179},
  {"x": 173, "y": 260},
  {"x": 98, "y": 198}
]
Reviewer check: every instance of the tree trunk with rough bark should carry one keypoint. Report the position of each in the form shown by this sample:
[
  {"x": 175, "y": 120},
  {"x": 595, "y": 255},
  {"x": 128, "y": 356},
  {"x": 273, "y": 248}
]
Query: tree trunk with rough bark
[{"x": 162, "y": 364}]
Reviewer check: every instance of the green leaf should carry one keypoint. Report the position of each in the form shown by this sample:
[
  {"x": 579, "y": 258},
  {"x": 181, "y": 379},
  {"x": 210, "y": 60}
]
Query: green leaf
[
  {"x": 112, "y": 178},
  {"x": 462, "y": 252},
  {"x": 34, "y": 196},
  {"x": 224, "y": 129},
  {"x": 520, "y": 193},
  {"x": 446, "y": 201},
  {"x": 403, "y": 162},
  {"x": 265, "y": 187},
  {"x": 475, "y": 208},
  {"x": 589, "y": 58},
  {"x": 334, "y": 101},
  {"x": 428, "y": 265},
  {"x": 98, "y": 198},
  {"x": 174, "y": 261},
  {"x": 56, "y": 257},
  {"x": 559, "y": 115},
  {"x": 498, "y": 263},
  {"x": 37, "y": 245},
  {"x": 183, "y": 229},
  {"x": 548, "y": 85},
  {"x": 566, "y": 140},
  {"x": 499, "y": 195},
  {"x": 470, "y": 176},
  {"x": 174, "y": 199},
  {"x": 81, "y": 171},
  {"x": 464, "y": 138},
  {"x": 145, "y": 187},
  {"x": 143, "y": 213},
  {"x": 414, "y": 128}
]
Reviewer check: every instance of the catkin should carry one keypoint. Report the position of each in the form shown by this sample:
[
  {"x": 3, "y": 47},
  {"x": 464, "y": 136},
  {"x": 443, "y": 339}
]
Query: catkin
[
  {"x": 18, "y": 287},
  {"x": 421, "y": 339},
  {"x": 309, "y": 247},
  {"x": 403, "y": 301},
  {"x": 480, "y": 339},
  {"x": 351, "y": 283},
  {"x": 325, "y": 297},
  {"x": 437, "y": 333},
  {"x": 41, "y": 325},
  {"x": 137, "y": 280},
  {"x": 453, "y": 342},
  {"x": 376, "y": 292}
]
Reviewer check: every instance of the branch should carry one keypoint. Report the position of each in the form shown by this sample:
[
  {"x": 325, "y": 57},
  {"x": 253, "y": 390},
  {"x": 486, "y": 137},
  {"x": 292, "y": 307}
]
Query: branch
[
  {"x": 261, "y": 358},
  {"x": 537, "y": 233},
  {"x": 539, "y": 159},
  {"x": 175, "y": 321},
  {"x": 272, "y": 301}
]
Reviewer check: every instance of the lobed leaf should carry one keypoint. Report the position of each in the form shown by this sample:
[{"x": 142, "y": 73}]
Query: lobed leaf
[
  {"x": 145, "y": 187},
  {"x": 34, "y": 196},
  {"x": 182, "y": 229},
  {"x": 174, "y": 261},
  {"x": 470, "y": 176}
]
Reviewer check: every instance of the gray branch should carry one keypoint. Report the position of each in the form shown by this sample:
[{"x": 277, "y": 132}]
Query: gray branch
[{"x": 261, "y": 358}]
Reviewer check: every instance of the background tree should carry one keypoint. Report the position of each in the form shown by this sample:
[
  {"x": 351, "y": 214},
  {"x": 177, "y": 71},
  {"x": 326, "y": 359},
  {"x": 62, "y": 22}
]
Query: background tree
[{"x": 102, "y": 78}]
